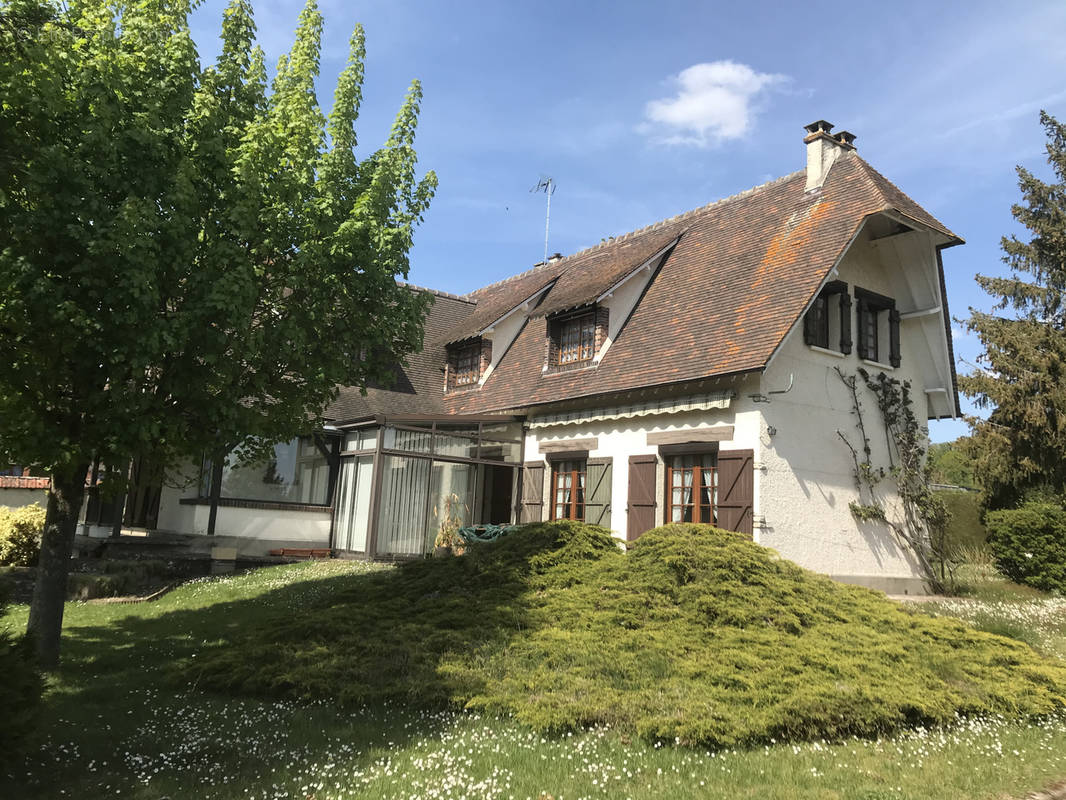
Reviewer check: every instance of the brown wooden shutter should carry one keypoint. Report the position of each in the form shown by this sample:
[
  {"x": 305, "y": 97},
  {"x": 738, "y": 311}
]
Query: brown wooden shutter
[
  {"x": 598, "y": 491},
  {"x": 736, "y": 490},
  {"x": 641, "y": 508},
  {"x": 532, "y": 492},
  {"x": 845, "y": 322},
  {"x": 809, "y": 326},
  {"x": 893, "y": 337},
  {"x": 865, "y": 345}
]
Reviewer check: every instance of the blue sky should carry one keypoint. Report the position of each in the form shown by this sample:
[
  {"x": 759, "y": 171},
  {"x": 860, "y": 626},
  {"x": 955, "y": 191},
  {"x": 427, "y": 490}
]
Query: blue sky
[{"x": 640, "y": 111}]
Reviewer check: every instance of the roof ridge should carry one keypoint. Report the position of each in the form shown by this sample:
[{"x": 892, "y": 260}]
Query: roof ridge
[
  {"x": 437, "y": 292},
  {"x": 662, "y": 223}
]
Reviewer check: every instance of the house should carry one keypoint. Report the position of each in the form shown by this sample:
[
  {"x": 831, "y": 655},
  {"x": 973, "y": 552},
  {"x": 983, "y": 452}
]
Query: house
[{"x": 684, "y": 371}]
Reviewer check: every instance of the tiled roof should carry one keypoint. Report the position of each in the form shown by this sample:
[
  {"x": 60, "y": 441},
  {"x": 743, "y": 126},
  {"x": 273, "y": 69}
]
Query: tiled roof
[
  {"x": 741, "y": 274},
  {"x": 419, "y": 384},
  {"x": 11, "y": 482}
]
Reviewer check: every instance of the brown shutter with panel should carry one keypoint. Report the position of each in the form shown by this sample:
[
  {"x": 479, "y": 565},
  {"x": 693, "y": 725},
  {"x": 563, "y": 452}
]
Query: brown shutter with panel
[
  {"x": 532, "y": 492},
  {"x": 893, "y": 337},
  {"x": 736, "y": 490},
  {"x": 642, "y": 494},
  {"x": 598, "y": 491},
  {"x": 845, "y": 322}
]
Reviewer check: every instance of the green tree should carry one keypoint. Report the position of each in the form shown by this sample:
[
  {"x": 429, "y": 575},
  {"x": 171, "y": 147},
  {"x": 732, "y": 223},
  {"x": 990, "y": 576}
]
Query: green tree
[
  {"x": 949, "y": 462},
  {"x": 1022, "y": 373},
  {"x": 189, "y": 261}
]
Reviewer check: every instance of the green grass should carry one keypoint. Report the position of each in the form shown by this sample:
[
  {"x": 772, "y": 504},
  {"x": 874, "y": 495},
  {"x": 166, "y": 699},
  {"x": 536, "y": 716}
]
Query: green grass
[{"x": 114, "y": 728}]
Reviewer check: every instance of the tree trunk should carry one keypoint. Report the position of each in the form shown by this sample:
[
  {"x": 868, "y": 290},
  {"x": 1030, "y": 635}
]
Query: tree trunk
[{"x": 57, "y": 543}]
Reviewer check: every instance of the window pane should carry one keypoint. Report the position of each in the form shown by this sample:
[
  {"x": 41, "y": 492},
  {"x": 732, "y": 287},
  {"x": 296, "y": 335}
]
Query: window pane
[
  {"x": 451, "y": 494},
  {"x": 296, "y": 472},
  {"x": 510, "y": 452},
  {"x": 353, "y": 503},
  {"x": 511, "y": 431},
  {"x": 415, "y": 441},
  {"x": 468, "y": 365},
  {"x": 361, "y": 439},
  {"x": 456, "y": 446},
  {"x": 404, "y": 490}
]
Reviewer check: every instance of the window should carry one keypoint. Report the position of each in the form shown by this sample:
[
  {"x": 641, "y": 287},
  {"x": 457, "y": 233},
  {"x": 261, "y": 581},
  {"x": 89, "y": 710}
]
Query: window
[
  {"x": 577, "y": 339},
  {"x": 467, "y": 362},
  {"x": 828, "y": 321},
  {"x": 878, "y": 323},
  {"x": 692, "y": 488},
  {"x": 568, "y": 489},
  {"x": 574, "y": 340},
  {"x": 468, "y": 365},
  {"x": 293, "y": 472}
]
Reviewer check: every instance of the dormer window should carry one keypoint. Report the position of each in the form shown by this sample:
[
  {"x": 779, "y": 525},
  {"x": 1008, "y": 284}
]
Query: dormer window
[
  {"x": 577, "y": 339},
  {"x": 878, "y": 328},
  {"x": 467, "y": 362},
  {"x": 828, "y": 321},
  {"x": 574, "y": 339}
]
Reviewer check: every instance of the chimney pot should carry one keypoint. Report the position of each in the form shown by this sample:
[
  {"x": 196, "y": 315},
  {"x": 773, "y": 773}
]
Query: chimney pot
[
  {"x": 823, "y": 149},
  {"x": 846, "y": 138},
  {"x": 819, "y": 126}
]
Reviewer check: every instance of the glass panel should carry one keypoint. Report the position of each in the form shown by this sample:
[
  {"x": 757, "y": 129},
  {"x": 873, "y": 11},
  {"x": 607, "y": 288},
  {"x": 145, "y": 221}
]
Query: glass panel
[
  {"x": 456, "y": 446},
  {"x": 510, "y": 452},
  {"x": 511, "y": 431},
  {"x": 353, "y": 503},
  {"x": 361, "y": 439},
  {"x": 404, "y": 490},
  {"x": 451, "y": 493},
  {"x": 462, "y": 428},
  {"x": 296, "y": 472},
  {"x": 417, "y": 441}
]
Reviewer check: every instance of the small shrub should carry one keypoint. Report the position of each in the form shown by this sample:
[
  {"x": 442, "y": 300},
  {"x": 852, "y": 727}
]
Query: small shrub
[
  {"x": 1029, "y": 544},
  {"x": 20, "y": 691},
  {"x": 20, "y": 535}
]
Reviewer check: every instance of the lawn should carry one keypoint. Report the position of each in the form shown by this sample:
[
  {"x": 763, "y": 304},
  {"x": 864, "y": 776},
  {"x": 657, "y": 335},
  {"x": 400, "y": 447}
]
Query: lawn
[{"x": 115, "y": 726}]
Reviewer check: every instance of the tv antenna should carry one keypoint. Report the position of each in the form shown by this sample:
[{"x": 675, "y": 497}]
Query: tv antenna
[{"x": 546, "y": 185}]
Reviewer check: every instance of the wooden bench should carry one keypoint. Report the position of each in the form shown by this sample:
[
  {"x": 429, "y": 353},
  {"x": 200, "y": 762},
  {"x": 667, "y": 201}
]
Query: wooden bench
[{"x": 302, "y": 552}]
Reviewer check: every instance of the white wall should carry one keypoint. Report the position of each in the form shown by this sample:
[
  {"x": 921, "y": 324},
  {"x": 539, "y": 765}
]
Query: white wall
[
  {"x": 17, "y": 498},
  {"x": 808, "y": 478},
  {"x": 621, "y": 439}
]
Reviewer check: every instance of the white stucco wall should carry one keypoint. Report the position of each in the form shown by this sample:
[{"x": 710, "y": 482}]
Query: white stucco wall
[
  {"x": 808, "y": 476},
  {"x": 621, "y": 439},
  {"x": 17, "y": 498}
]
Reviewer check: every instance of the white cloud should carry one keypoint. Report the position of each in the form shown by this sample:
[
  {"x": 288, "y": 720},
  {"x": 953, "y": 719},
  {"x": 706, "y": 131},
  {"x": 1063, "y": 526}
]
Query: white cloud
[{"x": 714, "y": 102}]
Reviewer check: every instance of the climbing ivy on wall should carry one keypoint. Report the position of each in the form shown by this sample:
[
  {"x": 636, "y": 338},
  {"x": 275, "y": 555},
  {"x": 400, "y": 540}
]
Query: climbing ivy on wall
[{"x": 920, "y": 519}]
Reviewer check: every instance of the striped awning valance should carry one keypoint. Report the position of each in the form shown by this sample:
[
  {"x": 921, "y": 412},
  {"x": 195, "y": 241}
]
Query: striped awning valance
[{"x": 674, "y": 405}]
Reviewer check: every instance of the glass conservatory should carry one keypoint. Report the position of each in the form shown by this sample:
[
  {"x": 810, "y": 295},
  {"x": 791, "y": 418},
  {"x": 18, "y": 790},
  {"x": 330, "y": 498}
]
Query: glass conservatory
[{"x": 402, "y": 479}]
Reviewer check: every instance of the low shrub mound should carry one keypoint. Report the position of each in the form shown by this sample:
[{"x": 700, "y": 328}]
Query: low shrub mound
[{"x": 697, "y": 635}]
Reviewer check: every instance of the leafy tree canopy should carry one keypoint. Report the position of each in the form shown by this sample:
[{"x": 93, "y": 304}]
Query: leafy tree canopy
[
  {"x": 189, "y": 260},
  {"x": 950, "y": 463},
  {"x": 1021, "y": 376}
]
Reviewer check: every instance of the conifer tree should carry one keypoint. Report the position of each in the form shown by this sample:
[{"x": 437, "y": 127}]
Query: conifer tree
[{"x": 1021, "y": 376}]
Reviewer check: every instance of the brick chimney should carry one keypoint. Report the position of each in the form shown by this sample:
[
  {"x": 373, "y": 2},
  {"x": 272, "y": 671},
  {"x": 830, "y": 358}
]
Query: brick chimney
[{"x": 823, "y": 149}]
